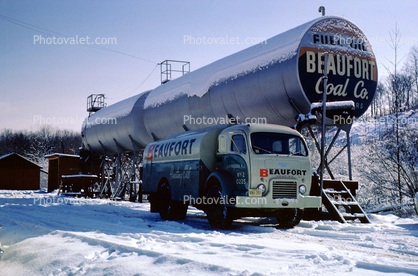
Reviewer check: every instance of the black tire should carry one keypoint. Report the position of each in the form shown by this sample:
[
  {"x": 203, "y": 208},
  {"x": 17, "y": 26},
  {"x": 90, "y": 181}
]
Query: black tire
[
  {"x": 179, "y": 210},
  {"x": 164, "y": 202},
  {"x": 219, "y": 216},
  {"x": 170, "y": 209},
  {"x": 288, "y": 218}
]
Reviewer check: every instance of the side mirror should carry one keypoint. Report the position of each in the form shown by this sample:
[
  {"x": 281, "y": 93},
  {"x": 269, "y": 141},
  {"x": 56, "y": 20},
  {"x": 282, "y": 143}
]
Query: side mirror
[{"x": 222, "y": 143}]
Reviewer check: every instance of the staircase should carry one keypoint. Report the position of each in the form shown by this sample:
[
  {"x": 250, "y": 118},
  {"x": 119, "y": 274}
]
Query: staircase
[{"x": 338, "y": 198}]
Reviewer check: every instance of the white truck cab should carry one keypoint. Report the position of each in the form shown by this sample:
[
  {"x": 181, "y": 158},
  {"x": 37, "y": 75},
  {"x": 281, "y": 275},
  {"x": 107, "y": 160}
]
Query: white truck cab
[{"x": 231, "y": 172}]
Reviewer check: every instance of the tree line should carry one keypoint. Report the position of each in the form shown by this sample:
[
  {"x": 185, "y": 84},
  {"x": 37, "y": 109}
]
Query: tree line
[
  {"x": 399, "y": 90},
  {"x": 393, "y": 157},
  {"x": 36, "y": 144}
]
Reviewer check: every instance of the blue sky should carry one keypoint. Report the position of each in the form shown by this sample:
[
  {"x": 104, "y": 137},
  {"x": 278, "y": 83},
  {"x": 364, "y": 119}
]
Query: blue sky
[{"x": 40, "y": 82}]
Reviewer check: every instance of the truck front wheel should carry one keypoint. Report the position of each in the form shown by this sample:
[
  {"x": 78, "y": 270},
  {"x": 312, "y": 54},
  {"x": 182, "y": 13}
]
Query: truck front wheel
[
  {"x": 288, "y": 218},
  {"x": 219, "y": 216}
]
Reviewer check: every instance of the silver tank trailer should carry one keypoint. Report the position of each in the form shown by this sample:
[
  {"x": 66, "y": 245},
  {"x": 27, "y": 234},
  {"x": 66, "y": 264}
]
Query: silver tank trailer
[{"x": 275, "y": 80}]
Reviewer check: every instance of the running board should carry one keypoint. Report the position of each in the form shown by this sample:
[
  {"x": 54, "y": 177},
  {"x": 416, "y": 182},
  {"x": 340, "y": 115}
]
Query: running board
[{"x": 340, "y": 202}]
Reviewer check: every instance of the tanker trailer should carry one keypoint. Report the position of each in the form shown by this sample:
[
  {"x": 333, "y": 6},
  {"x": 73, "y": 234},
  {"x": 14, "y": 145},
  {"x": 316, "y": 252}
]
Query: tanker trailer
[{"x": 276, "y": 80}]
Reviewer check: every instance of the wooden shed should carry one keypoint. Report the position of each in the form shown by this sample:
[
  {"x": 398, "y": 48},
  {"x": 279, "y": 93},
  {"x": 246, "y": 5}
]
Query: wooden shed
[
  {"x": 60, "y": 164},
  {"x": 18, "y": 173}
]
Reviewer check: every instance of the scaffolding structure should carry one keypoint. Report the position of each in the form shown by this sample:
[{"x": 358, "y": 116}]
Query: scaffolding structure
[{"x": 170, "y": 69}]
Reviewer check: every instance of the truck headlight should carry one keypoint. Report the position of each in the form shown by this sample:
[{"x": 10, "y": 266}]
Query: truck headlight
[
  {"x": 302, "y": 189},
  {"x": 262, "y": 187}
]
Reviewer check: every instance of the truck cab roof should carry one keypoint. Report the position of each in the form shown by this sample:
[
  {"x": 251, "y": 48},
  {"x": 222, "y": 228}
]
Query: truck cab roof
[
  {"x": 247, "y": 128},
  {"x": 251, "y": 128}
]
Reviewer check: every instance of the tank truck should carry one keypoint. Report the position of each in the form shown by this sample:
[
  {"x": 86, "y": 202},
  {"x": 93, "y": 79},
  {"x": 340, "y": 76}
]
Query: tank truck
[{"x": 200, "y": 140}]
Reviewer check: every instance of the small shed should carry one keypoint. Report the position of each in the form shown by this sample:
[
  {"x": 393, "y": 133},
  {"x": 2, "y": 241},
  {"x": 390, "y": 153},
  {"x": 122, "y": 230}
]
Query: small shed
[
  {"x": 18, "y": 173},
  {"x": 60, "y": 164}
]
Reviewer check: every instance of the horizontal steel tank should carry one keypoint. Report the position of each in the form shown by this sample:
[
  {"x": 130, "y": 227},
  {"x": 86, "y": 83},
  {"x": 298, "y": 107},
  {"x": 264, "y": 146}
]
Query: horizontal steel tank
[{"x": 271, "y": 82}]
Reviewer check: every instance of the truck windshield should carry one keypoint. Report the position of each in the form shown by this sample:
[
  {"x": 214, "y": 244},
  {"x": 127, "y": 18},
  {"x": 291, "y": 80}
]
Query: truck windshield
[{"x": 275, "y": 143}]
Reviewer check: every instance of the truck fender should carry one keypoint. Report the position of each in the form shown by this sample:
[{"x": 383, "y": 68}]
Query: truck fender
[{"x": 224, "y": 179}]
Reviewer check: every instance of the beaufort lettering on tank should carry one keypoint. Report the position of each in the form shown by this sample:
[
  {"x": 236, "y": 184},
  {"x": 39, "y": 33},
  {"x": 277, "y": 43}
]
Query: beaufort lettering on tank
[
  {"x": 171, "y": 148},
  {"x": 351, "y": 66}
]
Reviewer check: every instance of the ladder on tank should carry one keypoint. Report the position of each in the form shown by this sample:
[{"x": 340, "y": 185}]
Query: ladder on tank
[{"x": 340, "y": 202}]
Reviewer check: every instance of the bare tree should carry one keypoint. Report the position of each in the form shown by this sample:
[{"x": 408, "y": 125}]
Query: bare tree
[
  {"x": 382, "y": 162},
  {"x": 394, "y": 43},
  {"x": 412, "y": 70},
  {"x": 377, "y": 108}
]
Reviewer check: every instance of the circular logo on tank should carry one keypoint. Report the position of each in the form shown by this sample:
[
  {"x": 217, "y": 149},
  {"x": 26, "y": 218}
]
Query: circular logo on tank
[{"x": 351, "y": 66}]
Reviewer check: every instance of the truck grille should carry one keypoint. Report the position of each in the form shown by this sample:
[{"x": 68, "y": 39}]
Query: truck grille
[{"x": 284, "y": 189}]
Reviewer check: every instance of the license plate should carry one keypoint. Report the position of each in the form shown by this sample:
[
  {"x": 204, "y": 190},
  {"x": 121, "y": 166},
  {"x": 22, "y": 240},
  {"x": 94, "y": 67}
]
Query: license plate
[{"x": 255, "y": 192}]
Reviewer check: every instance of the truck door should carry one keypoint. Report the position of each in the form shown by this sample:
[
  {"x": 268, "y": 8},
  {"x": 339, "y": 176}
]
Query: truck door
[{"x": 238, "y": 160}]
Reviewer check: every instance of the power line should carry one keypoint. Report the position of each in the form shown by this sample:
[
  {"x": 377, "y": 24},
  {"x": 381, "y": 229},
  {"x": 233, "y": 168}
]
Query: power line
[
  {"x": 51, "y": 33},
  {"x": 136, "y": 88},
  {"x": 48, "y": 32}
]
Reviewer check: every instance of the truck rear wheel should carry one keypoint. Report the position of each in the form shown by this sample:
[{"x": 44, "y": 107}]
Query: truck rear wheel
[
  {"x": 180, "y": 210},
  {"x": 164, "y": 201},
  {"x": 219, "y": 216},
  {"x": 169, "y": 209},
  {"x": 288, "y": 218}
]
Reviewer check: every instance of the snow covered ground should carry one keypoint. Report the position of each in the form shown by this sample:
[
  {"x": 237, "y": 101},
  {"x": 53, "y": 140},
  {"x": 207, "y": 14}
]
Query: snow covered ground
[{"x": 46, "y": 234}]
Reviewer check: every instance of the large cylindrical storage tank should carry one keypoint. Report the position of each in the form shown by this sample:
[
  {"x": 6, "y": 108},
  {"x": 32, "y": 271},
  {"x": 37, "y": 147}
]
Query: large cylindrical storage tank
[{"x": 275, "y": 81}]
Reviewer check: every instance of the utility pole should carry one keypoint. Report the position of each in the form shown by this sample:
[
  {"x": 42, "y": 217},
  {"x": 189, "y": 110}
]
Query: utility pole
[{"x": 324, "y": 112}]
